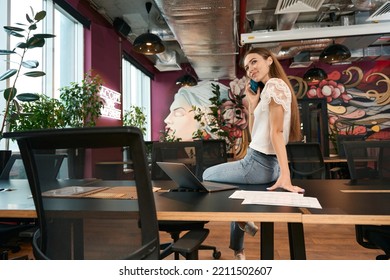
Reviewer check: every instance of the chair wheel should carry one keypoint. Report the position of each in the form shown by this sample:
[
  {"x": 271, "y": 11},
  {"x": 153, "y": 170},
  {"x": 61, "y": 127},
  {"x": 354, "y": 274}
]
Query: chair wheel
[{"x": 217, "y": 255}]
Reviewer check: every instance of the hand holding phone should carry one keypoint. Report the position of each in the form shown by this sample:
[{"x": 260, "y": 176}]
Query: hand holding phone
[{"x": 254, "y": 86}]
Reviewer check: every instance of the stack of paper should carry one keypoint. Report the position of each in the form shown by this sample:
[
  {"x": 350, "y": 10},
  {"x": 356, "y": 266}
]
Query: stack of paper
[{"x": 276, "y": 198}]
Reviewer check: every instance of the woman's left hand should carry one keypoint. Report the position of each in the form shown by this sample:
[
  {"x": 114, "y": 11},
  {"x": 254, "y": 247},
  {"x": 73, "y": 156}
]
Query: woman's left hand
[{"x": 287, "y": 185}]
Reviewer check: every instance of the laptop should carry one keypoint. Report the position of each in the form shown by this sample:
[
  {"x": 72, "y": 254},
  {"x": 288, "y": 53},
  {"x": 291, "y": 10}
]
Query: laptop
[{"x": 187, "y": 180}]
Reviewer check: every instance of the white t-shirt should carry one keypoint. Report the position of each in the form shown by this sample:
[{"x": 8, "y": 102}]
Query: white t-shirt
[{"x": 277, "y": 90}]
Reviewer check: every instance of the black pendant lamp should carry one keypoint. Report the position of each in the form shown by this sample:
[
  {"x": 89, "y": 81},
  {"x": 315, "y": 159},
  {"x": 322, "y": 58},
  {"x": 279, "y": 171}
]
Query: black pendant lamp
[
  {"x": 315, "y": 75},
  {"x": 187, "y": 81},
  {"x": 148, "y": 43},
  {"x": 335, "y": 53}
]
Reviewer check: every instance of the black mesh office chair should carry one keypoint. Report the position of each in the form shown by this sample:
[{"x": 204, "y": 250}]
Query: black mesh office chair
[
  {"x": 213, "y": 153},
  {"x": 306, "y": 160},
  {"x": 81, "y": 222},
  {"x": 370, "y": 160},
  {"x": 190, "y": 153}
]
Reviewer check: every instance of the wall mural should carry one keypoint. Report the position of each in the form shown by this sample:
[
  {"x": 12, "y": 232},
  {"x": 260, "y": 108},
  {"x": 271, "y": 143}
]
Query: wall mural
[
  {"x": 358, "y": 104},
  {"x": 210, "y": 110},
  {"x": 358, "y": 101}
]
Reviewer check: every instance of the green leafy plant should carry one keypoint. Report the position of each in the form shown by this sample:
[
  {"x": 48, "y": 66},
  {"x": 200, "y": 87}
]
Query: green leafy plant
[
  {"x": 167, "y": 136},
  {"x": 44, "y": 113},
  {"x": 21, "y": 66},
  {"x": 82, "y": 101},
  {"x": 135, "y": 117},
  {"x": 226, "y": 118}
]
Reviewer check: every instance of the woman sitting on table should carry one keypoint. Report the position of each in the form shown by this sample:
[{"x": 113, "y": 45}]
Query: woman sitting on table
[{"x": 273, "y": 122}]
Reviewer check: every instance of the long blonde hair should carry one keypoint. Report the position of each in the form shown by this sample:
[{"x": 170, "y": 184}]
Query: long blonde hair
[{"x": 276, "y": 71}]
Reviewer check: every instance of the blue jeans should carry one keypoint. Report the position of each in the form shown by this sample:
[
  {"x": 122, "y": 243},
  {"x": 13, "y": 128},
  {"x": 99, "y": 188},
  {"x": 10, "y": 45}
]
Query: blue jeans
[{"x": 254, "y": 168}]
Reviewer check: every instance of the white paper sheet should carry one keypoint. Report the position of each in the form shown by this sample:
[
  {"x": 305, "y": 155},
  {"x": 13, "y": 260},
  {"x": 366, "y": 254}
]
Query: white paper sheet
[{"x": 276, "y": 198}]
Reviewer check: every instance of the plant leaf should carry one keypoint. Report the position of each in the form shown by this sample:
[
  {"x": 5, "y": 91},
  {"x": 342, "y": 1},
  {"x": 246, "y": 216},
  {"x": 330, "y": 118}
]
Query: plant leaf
[
  {"x": 22, "y": 45},
  {"x": 44, "y": 35},
  {"x": 27, "y": 97},
  {"x": 35, "y": 74},
  {"x": 40, "y": 15},
  {"x": 8, "y": 74},
  {"x": 5, "y": 52},
  {"x": 30, "y": 64},
  {"x": 32, "y": 27},
  {"x": 13, "y": 28},
  {"x": 29, "y": 19},
  {"x": 35, "y": 42},
  {"x": 10, "y": 91}
]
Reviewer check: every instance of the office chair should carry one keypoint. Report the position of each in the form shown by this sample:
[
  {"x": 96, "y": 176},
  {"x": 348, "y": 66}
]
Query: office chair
[
  {"x": 306, "y": 160},
  {"x": 68, "y": 227},
  {"x": 370, "y": 160},
  {"x": 213, "y": 153},
  {"x": 190, "y": 153}
]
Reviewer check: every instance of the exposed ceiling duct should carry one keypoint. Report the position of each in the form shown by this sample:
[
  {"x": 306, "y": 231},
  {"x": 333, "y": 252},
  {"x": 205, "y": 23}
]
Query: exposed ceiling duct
[
  {"x": 297, "y": 6},
  {"x": 206, "y": 32},
  {"x": 167, "y": 61},
  {"x": 294, "y": 32}
]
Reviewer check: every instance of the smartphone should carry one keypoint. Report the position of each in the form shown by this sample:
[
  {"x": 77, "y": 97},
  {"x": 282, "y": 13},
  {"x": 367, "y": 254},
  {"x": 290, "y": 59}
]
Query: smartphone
[{"x": 254, "y": 86}]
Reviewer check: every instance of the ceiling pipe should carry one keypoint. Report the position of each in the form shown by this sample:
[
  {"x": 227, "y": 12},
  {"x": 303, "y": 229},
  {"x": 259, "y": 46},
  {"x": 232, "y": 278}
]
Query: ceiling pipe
[{"x": 241, "y": 30}]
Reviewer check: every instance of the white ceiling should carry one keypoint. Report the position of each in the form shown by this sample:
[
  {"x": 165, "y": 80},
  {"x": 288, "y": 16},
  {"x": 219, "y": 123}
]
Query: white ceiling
[{"x": 205, "y": 33}]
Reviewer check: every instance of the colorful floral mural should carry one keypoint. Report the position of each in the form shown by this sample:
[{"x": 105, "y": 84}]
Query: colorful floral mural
[
  {"x": 357, "y": 95},
  {"x": 358, "y": 100}
]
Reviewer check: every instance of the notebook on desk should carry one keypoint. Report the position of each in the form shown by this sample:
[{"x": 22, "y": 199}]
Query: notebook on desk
[{"x": 185, "y": 179}]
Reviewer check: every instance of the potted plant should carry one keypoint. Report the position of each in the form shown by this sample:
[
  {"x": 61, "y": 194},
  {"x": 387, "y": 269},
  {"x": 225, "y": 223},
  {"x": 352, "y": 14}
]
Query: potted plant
[
  {"x": 134, "y": 116},
  {"x": 82, "y": 101},
  {"x": 21, "y": 66},
  {"x": 44, "y": 113},
  {"x": 83, "y": 106}
]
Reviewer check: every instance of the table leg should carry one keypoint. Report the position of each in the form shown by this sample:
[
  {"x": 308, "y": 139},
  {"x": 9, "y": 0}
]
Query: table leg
[
  {"x": 297, "y": 241},
  {"x": 266, "y": 240}
]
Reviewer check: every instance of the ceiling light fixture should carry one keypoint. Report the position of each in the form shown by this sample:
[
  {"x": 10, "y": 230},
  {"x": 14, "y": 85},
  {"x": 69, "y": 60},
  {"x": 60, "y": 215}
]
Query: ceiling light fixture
[
  {"x": 315, "y": 75},
  {"x": 148, "y": 43},
  {"x": 335, "y": 53},
  {"x": 187, "y": 81}
]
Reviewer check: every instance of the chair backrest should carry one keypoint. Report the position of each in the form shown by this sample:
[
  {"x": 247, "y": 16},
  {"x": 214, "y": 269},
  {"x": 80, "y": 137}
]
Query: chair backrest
[
  {"x": 368, "y": 159},
  {"x": 306, "y": 160},
  {"x": 80, "y": 222},
  {"x": 51, "y": 164},
  {"x": 214, "y": 152},
  {"x": 340, "y": 139},
  {"x": 188, "y": 152}
]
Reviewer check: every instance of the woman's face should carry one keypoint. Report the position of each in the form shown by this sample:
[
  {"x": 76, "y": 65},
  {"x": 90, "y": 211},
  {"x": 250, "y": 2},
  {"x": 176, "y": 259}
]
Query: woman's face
[
  {"x": 257, "y": 68},
  {"x": 180, "y": 123}
]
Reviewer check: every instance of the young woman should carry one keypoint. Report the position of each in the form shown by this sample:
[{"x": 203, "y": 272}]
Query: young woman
[{"x": 274, "y": 121}]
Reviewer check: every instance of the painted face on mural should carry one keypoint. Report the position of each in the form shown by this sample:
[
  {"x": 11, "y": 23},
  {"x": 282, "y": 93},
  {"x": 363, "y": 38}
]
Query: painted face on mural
[{"x": 180, "y": 122}]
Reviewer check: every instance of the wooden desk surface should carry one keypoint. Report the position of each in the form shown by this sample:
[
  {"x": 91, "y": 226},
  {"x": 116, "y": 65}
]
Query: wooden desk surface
[{"x": 342, "y": 203}]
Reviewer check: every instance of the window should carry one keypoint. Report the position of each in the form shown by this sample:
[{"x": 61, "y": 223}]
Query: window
[
  {"x": 136, "y": 91},
  {"x": 65, "y": 52}
]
